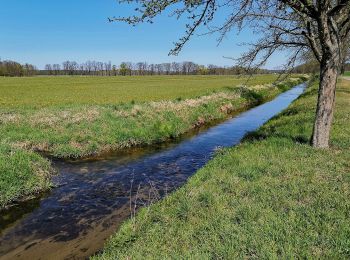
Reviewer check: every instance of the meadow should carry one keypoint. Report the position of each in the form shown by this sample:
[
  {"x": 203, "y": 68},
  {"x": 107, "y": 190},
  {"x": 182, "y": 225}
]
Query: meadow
[
  {"x": 60, "y": 91},
  {"x": 70, "y": 117},
  {"x": 271, "y": 197}
]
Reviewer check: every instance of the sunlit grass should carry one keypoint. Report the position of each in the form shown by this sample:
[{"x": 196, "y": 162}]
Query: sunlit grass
[
  {"x": 22, "y": 173},
  {"x": 65, "y": 90},
  {"x": 80, "y": 130}
]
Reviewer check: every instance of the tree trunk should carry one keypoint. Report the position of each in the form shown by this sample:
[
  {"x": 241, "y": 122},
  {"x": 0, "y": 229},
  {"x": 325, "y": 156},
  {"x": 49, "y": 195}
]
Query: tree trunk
[
  {"x": 325, "y": 104},
  {"x": 342, "y": 68}
]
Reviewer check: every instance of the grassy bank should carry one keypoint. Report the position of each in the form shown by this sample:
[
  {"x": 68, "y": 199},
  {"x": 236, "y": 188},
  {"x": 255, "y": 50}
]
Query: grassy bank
[
  {"x": 22, "y": 174},
  {"x": 81, "y": 130},
  {"x": 273, "y": 196}
]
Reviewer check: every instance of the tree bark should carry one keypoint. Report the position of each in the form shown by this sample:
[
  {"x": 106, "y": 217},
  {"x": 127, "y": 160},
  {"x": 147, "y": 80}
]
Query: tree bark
[{"x": 325, "y": 104}]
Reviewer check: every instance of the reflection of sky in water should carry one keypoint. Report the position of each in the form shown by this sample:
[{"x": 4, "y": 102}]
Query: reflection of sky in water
[{"x": 88, "y": 191}]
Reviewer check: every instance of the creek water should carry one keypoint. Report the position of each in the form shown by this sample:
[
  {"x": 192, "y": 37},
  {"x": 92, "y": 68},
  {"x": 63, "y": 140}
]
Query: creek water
[{"x": 92, "y": 197}]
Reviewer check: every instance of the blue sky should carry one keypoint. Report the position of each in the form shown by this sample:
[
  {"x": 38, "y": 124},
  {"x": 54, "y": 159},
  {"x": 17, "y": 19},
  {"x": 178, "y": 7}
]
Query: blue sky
[{"x": 43, "y": 31}]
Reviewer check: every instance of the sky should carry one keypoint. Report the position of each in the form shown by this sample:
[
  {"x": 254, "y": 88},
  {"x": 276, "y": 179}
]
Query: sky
[{"x": 46, "y": 31}]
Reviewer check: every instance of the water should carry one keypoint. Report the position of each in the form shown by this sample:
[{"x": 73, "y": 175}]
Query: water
[{"x": 94, "y": 196}]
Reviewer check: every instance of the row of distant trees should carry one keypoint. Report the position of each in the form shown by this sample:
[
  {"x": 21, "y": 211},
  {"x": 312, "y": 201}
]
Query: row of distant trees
[
  {"x": 14, "y": 69},
  {"x": 96, "y": 68},
  {"x": 314, "y": 67}
]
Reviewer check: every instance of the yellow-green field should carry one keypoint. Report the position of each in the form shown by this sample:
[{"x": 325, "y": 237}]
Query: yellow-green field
[{"x": 65, "y": 90}]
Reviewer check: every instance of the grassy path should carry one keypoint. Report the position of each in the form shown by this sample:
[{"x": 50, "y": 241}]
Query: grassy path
[{"x": 273, "y": 196}]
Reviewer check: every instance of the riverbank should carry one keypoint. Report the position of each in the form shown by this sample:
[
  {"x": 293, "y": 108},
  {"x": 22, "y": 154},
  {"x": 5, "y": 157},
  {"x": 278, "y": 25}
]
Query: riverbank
[
  {"x": 80, "y": 131},
  {"x": 86, "y": 130},
  {"x": 23, "y": 174},
  {"x": 273, "y": 196}
]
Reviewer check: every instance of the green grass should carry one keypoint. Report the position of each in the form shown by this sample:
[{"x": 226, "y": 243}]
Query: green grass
[
  {"x": 272, "y": 197},
  {"x": 82, "y": 130},
  {"x": 79, "y": 130},
  {"x": 347, "y": 73},
  {"x": 22, "y": 173},
  {"x": 65, "y": 90}
]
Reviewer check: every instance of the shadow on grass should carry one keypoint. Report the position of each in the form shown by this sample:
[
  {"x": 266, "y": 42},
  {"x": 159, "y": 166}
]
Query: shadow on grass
[{"x": 259, "y": 136}]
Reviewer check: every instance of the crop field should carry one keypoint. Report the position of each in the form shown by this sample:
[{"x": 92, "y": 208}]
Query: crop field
[{"x": 80, "y": 90}]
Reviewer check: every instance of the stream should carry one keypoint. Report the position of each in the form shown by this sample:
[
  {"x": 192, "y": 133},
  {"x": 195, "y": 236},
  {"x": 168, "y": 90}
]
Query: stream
[{"x": 92, "y": 197}]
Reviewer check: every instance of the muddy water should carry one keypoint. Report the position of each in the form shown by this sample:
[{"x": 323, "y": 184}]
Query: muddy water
[{"x": 92, "y": 197}]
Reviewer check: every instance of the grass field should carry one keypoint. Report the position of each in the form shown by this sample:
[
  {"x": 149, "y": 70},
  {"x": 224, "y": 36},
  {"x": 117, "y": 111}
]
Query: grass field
[
  {"x": 347, "y": 73},
  {"x": 80, "y": 129},
  {"x": 29, "y": 123},
  {"x": 272, "y": 197},
  {"x": 65, "y": 90}
]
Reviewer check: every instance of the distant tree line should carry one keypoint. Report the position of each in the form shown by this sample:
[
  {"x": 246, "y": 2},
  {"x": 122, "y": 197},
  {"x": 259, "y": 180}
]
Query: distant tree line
[
  {"x": 314, "y": 67},
  {"x": 10, "y": 68},
  {"x": 96, "y": 68}
]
